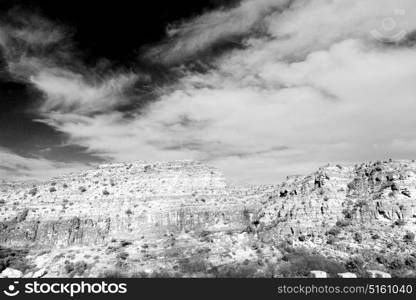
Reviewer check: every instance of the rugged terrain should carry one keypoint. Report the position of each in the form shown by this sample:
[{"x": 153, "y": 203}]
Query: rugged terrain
[{"x": 182, "y": 219}]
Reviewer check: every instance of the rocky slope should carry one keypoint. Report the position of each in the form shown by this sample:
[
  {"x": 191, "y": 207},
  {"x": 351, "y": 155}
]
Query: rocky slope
[{"x": 183, "y": 219}]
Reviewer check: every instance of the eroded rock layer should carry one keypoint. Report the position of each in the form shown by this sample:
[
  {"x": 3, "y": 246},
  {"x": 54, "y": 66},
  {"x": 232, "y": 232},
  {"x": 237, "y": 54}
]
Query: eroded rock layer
[{"x": 128, "y": 201}]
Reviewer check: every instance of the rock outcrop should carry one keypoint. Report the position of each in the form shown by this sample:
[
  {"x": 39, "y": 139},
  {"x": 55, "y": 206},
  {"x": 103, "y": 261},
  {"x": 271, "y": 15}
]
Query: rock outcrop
[
  {"x": 183, "y": 219},
  {"x": 125, "y": 201}
]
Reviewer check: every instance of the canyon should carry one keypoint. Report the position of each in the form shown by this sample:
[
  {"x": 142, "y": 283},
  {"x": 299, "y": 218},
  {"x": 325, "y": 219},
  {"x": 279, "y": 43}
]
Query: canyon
[{"x": 183, "y": 219}]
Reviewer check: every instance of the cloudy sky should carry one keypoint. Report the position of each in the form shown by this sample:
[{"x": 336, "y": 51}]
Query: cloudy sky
[{"x": 261, "y": 89}]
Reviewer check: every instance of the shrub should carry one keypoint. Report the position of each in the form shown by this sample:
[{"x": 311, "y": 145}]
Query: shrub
[
  {"x": 33, "y": 191},
  {"x": 301, "y": 263},
  {"x": 302, "y": 238},
  {"x": 82, "y": 189},
  {"x": 160, "y": 274},
  {"x": 122, "y": 255},
  {"x": 332, "y": 240},
  {"x": 112, "y": 274},
  {"x": 400, "y": 222},
  {"x": 382, "y": 260},
  {"x": 375, "y": 236},
  {"x": 52, "y": 190},
  {"x": 396, "y": 264},
  {"x": 15, "y": 259},
  {"x": 191, "y": 266},
  {"x": 235, "y": 271},
  {"x": 347, "y": 214},
  {"x": 69, "y": 267},
  {"x": 125, "y": 243},
  {"x": 360, "y": 203},
  {"x": 394, "y": 187},
  {"x": 333, "y": 231},
  {"x": 351, "y": 186},
  {"x": 78, "y": 268},
  {"x": 355, "y": 265},
  {"x": 2, "y": 201},
  {"x": 343, "y": 223},
  {"x": 410, "y": 262},
  {"x": 106, "y": 193},
  {"x": 246, "y": 214},
  {"x": 409, "y": 237}
]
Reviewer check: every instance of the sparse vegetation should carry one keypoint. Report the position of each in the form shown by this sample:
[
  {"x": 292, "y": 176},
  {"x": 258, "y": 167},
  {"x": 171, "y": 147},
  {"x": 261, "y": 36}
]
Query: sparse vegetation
[
  {"x": 191, "y": 266},
  {"x": 400, "y": 222},
  {"x": 409, "y": 237},
  {"x": 356, "y": 265},
  {"x": 343, "y": 223},
  {"x": 333, "y": 231},
  {"x": 73, "y": 269},
  {"x": 113, "y": 274},
  {"x": 299, "y": 263},
  {"x": 375, "y": 236}
]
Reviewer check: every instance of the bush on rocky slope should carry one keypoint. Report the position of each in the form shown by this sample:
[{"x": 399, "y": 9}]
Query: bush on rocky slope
[
  {"x": 300, "y": 262},
  {"x": 14, "y": 258}
]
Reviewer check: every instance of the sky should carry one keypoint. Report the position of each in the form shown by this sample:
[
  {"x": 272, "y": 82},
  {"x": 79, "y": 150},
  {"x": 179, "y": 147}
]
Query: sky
[{"x": 260, "y": 89}]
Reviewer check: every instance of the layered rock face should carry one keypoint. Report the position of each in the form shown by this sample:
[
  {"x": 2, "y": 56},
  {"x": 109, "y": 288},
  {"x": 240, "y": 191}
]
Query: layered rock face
[
  {"x": 128, "y": 201},
  {"x": 368, "y": 194},
  {"x": 182, "y": 218}
]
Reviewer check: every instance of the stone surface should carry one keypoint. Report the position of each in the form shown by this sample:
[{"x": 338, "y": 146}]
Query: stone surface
[
  {"x": 319, "y": 274},
  {"x": 40, "y": 273},
  {"x": 347, "y": 275}
]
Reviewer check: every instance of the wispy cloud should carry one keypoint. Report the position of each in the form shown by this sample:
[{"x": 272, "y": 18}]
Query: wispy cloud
[{"x": 225, "y": 25}]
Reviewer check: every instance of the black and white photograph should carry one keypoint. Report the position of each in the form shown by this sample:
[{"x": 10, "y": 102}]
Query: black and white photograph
[{"x": 207, "y": 139}]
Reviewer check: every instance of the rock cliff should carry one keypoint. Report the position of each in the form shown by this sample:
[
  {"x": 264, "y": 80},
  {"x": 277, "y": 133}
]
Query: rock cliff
[{"x": 183, "y": 219}]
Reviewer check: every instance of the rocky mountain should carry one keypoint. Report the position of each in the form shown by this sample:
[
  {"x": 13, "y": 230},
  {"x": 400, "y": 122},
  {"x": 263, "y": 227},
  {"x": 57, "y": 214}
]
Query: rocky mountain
[{"x": 183, "y": 219}]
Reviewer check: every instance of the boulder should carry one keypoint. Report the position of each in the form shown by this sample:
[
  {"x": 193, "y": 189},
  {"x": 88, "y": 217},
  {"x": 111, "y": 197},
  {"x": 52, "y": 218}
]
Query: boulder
[
  {"x": 11, "y": 273},
  {"x": 318, "y": 274}
]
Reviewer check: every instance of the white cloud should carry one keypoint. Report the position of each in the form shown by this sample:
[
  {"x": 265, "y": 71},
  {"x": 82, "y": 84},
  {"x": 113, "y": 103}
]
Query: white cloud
[
  {"x": 191, "y": 37},
  {"x": 315, "y": 86},
  {"x": 70, "y": 92},
  {"x": 15, "y": 167}
]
